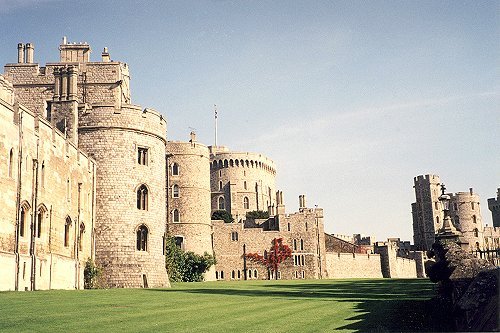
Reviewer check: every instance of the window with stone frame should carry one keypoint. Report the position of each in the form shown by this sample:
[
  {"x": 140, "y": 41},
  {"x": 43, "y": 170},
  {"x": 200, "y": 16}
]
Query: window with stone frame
[
  {"x": 246, "y": 203},
  {"x": 80, "y": 236},
  {"x": 175, "y": 191},
  {"x": 23, "y": 220},
  {"x": 142, "y": 197},
  {"x": 67, "y": 226},
  {"x": 142, "y": 155},
  {"x": 221, "y": 203},
  {"x": 142, "y": 238},
  {"x": 175, "y": 169},
  {"x": 11, "y": 162},
  {"x": 176, "y": 216},
  {"x": 179, "y": 242}
]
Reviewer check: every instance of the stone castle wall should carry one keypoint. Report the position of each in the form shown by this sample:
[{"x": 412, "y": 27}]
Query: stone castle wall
[
  {"x": 44, "y": 176},
  {"x": 235, "y": 176},
  {"x": 113, "y": 137},
  {"x": 352, "y": 265}
]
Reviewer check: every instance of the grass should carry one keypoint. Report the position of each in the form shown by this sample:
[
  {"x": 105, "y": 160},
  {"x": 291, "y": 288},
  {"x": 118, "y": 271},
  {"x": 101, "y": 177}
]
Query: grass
[{"x": 381, "y": 305}]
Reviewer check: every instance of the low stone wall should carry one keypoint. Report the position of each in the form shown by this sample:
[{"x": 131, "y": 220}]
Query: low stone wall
[
  {"x": 468, "y": 287},
  {"x": 352, "y": 265}
]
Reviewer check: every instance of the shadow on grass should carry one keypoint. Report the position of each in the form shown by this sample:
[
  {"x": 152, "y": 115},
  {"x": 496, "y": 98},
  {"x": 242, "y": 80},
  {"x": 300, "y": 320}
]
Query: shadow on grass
[{"x": 379, "y": 305}]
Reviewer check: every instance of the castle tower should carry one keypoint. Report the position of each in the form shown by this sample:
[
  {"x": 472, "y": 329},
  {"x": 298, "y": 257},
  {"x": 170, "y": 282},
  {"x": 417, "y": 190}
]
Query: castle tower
[
  {"x": 90, "y": 103},
  {"x": 426, "y": 211},
  {"x": 465, "y": 213},
  {"x": 494, "y": 207},
  {"x": 188, "y": 197},
  {"x": 242, "y": 182}
]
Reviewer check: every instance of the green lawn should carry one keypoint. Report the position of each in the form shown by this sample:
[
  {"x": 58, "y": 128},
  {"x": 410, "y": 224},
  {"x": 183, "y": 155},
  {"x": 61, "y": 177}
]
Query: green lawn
[{"x": 245, "y": 306}]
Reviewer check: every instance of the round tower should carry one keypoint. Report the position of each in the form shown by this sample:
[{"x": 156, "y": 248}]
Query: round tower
[
  {"x": 188, "y": 193},
  {"x": 242, "y": 182},
  {"x": 128, "y": 144},
  {"x": 466, "y": 216}
]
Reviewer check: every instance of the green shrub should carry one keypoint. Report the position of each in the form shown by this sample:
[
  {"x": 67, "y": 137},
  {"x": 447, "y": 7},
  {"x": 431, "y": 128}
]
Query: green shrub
[
  {"x": 185, "y": 266},
  {"x": 91, "y": 275},
  {"x": 257, "y": 214},
  {"x": 222, "y": 215}
]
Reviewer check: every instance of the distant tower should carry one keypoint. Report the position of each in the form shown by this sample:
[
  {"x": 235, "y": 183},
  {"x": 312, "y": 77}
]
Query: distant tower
[
  {"x": 465, "y": 213},
  {"x": 426, "y": 211},
  {"x": 494, "y": 207},
  {"x": 188, "y": 201}
]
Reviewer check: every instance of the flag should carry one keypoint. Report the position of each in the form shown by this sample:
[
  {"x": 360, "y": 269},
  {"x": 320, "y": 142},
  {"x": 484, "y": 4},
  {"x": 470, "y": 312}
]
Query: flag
[{"x": 215, "y": 107}]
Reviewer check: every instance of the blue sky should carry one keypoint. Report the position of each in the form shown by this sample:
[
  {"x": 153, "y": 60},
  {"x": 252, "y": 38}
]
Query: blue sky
[{"x": 351, "y": 99}]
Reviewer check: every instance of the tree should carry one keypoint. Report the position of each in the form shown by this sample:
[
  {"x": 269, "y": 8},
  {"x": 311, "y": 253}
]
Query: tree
[
  {"x": 278, "y": 253},
  {"x": 185, "y": 266},
  {"x": 91, "y": 275},
  {"x": 222, "y": 215},
  {"x": 257, "y": 214}
]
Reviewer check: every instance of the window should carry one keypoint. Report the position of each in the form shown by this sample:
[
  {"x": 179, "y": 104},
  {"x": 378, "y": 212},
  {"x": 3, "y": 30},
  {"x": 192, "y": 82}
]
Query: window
[
  {"x": 142, "y": 156},
  {"x": 306, "y": 226},
  {"x": 222, "y": 275},
  {"x": 42, "y": 175},
  {"x": 66, "y": 231},
  {"x": 142, "y": 197},
  {"x": 22, "y": 221},
  {"x": 455, "y": 206},
  {"x": 436, "y": 205},
  {"x": 302, "y": 244},
  {"x": 457, "y": 220},
  {"x": 295, "y": 245},
  {"x": 476, "y": 233},
  {"x": 220, "y": 173},
  {"x": 220, "y": 185},
  {"x": 176, "y": 215},
  {"x": 234, "y": 235},
  {"x": 233, "y": 275},
  {"x": 68, "y": 190},
  {"x": 11, "y": 162},
  {"x": 472, "y": 205},
  {"x": 246, "y": 203},
  {"x": 221, "y": 203},
  {"x": 179, "y": 242},
  {"x": 239, "y": 273},
  {"x": 39, "y": 221},
  {"x": 437, "y": 219},
  {"x": 80, "y": 236},
  {"x": 175, "y": 169},
  {"x": 288, "y": 226},
  {"x": 245, "y": 185},
  {"x": 175, "y": 191},
  {"x": 255, "y": 273},
  {"x": 142, "y": 238},
  {"x": 474, "y": 219}
]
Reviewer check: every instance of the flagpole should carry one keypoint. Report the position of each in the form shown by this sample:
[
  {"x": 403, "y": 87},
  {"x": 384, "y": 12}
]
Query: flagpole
[{"x": 215, "y": 108}]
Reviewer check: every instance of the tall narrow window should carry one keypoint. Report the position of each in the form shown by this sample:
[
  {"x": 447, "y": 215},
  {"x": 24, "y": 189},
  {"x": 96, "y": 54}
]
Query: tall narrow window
[
  {"x": 175, "y": 169},
  {"x": 22, "y": 221},
  {"x": 142, "y": 197},
  {"x": 437, "y": 219},
  {"x": 66, "y": 231},
  {"x": 476, "y": 233},
  {"x": 11, "y": 162},
  {"x": 80, "y": 236},
  {"x": 39, "y": 222},
  {"x": 288, "y": 226},
  {"x": 220, "y": 185},
  {"x": 295, "y": 244},
  {"x": 246, "y": 203},
  {"x": 68, "y": 190},
  {"x": 42, "y": 175},
  {"x": 472, "y": 205},
  {"x": 457, "y": 221},
  {"x": 142, "y": 156},
  {"x": 176, "y": 215},
  {"x": 245, "y": 185},
  {"x": 142, "y": 238},
  {"x": 175, "y": 191},
  {"x": 302, "y": 244},
  {"x": 474, "y": 219},
  {"x": 221, "y": 203}
]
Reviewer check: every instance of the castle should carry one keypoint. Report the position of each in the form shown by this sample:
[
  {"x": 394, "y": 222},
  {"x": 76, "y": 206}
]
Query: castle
[{"x": 84, "y": 173}]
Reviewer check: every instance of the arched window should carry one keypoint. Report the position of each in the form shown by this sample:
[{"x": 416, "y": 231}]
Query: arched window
[
  {"x": 239, "y": 274},
  {"x": 226, "y": 164},
  {"x": 175, "y": 191},
  {"x": 80, "y": 236},
  {"x": 23, "y": 220},
  {"x": 39, "y": 221},
  {"x": 175, "y": 169},
  {"x": 216, "y": 275},
  {"x": 246, "y": 203},
  {"x": 233, "y": 275},
  {"x": 295, "y": 245},
  {"x": 231, "y": 163},
  {"x": 476, "y": 233},
  {"x": 255, "y": 273},
  {"x": 222, "y": 275},
  {"x": 142, "y": 197},
  {"x": 221, "y": 204},
  {"x": 176, "y": 216},
  {"x": 11, "y": 161},
  {"x": 66, "y": 231},
  {"x": 142, "y": 238}
]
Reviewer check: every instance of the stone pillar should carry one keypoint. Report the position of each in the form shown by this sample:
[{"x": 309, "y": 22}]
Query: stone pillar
[
  {"x": 72, "y": 83},
  {"x": 64, "y": 83},
  {"x": 30, "y": 52},
  {"x": 57, "y": 83},
  {"x": 20, "y": 53}
]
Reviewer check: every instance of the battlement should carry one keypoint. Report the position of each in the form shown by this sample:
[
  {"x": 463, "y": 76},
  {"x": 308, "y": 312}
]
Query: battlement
[
  {"x": 426, "y": 178},
  {"x": 228, "y": 159},
  {"x": 128, "y": 117},
  {"x": 187, "y": 148}
]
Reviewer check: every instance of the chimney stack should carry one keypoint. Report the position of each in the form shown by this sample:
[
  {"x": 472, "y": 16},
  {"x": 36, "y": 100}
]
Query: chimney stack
[
  {"x": 30, "y": 52},
  {"x": 20, "y": 53}
]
